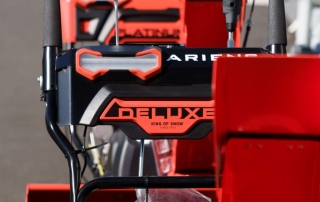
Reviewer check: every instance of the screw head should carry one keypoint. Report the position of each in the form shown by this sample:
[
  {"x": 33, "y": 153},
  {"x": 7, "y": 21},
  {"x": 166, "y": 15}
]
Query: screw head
[{"x": 40, "y": 80}]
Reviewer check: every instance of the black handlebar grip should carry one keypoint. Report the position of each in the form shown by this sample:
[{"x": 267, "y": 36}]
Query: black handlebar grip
[
  {"x": 52, "y": 24},
  {"x": 277, "y": 23}
]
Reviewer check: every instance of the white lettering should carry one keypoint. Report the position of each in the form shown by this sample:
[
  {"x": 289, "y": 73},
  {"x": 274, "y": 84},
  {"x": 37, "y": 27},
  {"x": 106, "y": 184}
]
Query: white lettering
[
  {"x": 204, "y": 57},
  {"x": 174, "y": 57},
  {"x": 215, "y": 56},
  {"x": 193, "y": 57}
]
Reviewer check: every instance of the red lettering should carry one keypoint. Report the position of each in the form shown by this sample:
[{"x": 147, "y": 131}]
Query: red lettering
[
  {"x": 122, "y": 33},
  {"x": 165, "y": 33},
  {"x": 147, "y": 32},
  {"x": 138, "y": 33},
  {"x": 176, "y": 33}
]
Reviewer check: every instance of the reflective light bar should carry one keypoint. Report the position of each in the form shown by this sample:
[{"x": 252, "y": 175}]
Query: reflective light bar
[{"x": 143, "y": 64}]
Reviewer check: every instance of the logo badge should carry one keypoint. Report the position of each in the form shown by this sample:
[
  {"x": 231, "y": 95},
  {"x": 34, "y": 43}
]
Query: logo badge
[{"x": 160, "y": 117}]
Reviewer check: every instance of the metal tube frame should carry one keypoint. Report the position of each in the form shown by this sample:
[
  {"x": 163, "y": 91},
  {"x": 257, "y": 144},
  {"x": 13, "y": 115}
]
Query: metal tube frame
[
  {"x": 81, "y": 195},
  {"x": 77, "y": 142},
  {"x": 144, "y": 182},
  {"x": 63, "y": 143}
]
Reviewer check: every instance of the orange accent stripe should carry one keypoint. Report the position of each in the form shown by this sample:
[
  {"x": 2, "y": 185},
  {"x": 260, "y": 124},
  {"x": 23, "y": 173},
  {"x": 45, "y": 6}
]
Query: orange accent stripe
[
  {"x": 84, "y": 26},
  {"x": 89, "y": 74},
  {"x": 93, "y": 75},
  {"x": 85, "y": 4},
  {"x": 154, "y": 71},
  {"x": 68, "y": 20}
]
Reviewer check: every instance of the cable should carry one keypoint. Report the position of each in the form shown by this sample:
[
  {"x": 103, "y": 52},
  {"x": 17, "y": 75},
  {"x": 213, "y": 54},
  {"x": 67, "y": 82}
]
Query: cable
[
  {"x": 249, "y": 23},
  {"x": 84, "y": 150},
  {"x": 95, "y": 154},
  {"x": 90, "y": 148}
]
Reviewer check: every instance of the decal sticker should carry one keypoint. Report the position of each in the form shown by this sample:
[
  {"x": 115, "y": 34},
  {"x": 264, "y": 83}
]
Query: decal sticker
[{"x": 160, "y": 117}]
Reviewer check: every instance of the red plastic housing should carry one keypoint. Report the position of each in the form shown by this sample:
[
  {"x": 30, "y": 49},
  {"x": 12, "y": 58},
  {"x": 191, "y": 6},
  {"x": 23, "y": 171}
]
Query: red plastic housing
[
  {"x": 95, "y": 20},
  {"x": 206, "y": 28},
  {"x": 206, "y": 24},
  {"x": 201, "y": 23},
  {"x": 267, "y": 128}
]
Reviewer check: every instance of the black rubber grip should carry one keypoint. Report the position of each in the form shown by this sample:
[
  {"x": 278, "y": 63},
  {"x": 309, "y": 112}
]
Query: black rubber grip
[
  {"x": 52, "y": 24},
  {"x": 277, "y": 23}
]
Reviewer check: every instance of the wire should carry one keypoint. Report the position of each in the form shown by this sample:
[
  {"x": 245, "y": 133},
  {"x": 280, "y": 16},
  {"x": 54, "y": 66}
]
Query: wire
[
  {"x": 90, "y": 148},
  {"x": 96, "y": 158},
  {"x": 249, "y": 23},
  {"x": 252, "y": 8},
  {"x": 84, "y": 151},
  {"x": 96, "y": 169}
]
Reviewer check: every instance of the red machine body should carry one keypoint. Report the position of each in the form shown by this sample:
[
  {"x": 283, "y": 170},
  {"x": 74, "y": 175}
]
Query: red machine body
[
  {"x": 265, "y": 145},
  {"x": 205, "y": 27},
  {"x": 267, "y": 128},
  {"x": 201, "y": 23},
  {"x": 206, "y": 24},
  {"x": 195, "y": 23},
  {"x": 207, "y": 17},
  {"x": 139, "y": 21}
]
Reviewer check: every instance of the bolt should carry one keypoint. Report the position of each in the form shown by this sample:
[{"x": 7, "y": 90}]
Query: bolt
[
  {"x": 40, "y": 80},
  {"x": 300, "y": 147},
  {"x": 259, "y": 146},
  {"x": 42, "y": 98}
]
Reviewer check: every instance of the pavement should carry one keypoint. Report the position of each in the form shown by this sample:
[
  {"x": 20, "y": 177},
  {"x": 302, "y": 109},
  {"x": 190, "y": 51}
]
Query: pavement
[{"x": 27, "y": 154}]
